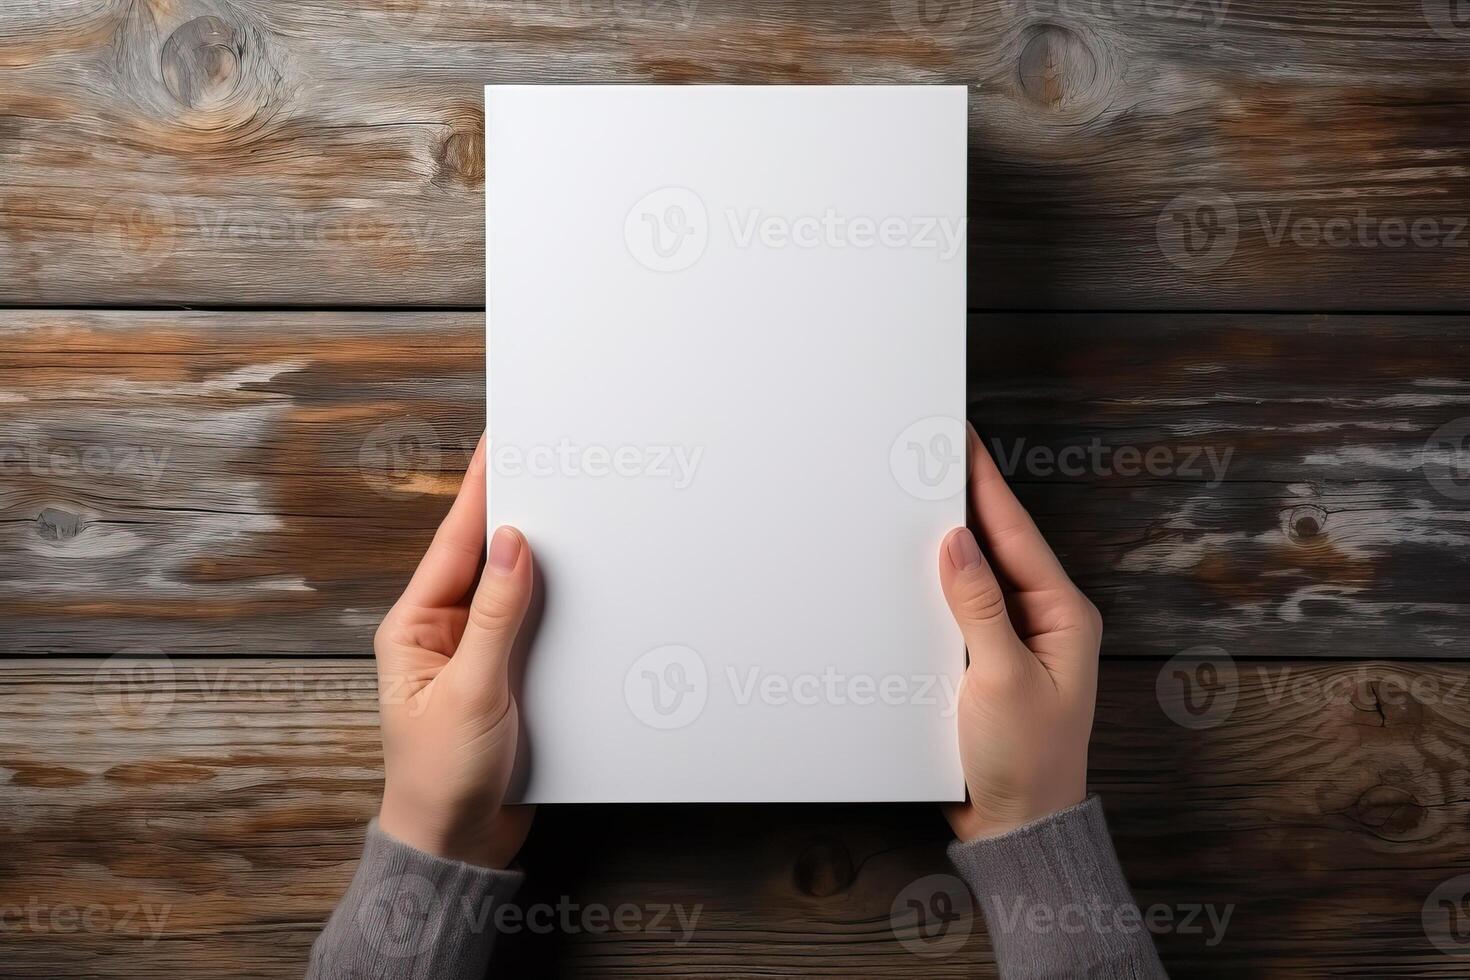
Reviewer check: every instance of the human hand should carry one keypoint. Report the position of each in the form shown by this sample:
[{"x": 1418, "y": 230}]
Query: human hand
[
  {"x": 1026, "y": 703},
  {"x": 448, "y": 715}
]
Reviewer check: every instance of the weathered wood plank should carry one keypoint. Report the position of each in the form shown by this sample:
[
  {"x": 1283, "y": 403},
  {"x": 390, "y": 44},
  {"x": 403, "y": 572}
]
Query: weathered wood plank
[
  {"x": 225, "y": 800},
  {"x": 1125, "y": 153},
  {"x": 263, "y": 484},
  {"x": 1279, "y": 485}
]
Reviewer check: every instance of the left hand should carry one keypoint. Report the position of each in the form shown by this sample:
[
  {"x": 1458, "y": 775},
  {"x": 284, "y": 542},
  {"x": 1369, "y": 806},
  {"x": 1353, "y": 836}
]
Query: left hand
[{"x": 449, "y": 717}]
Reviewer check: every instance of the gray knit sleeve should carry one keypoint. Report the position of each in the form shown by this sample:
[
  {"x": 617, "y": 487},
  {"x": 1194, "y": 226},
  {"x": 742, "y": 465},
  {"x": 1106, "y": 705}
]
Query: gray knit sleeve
[
  {"x": 409, "y": 915},
  {"x": 1056, "y": 902}
]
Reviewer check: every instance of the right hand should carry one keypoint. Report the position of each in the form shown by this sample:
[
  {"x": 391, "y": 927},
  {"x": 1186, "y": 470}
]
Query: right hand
[
  {"x": 450, "y": 727},
  {"x": 1026, "y": 703}
]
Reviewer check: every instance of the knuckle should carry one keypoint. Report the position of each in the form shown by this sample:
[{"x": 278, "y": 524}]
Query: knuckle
[
  {"x": 1089, "y": 614},
  {"x": 384, "y": 635},
  {"x": 493, "y": 611},
  {"x": 985, "y": 605}
]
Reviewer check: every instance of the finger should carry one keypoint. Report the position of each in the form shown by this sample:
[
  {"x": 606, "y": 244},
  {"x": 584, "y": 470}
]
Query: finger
[
  {"x": 1010, "y": 536},
  {"x": 978, "y": 604},
  {"x": 447, "y": 570},
  {"x": 497, "y": 609}
]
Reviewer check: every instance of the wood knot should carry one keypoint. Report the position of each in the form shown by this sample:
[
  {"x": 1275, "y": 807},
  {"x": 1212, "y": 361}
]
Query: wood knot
[
  {"x": 201, "y": 62},
  {"x": 1305, "y": 522},
  {"x": 58, "y": 525},
  {"x": 1388, "y": 811},
  {"x": 207, "y": 74},
  {"x": 1057, "y": 68},
  {"x": 824, "y": 868},
  {"x": 460, "y": 158}
]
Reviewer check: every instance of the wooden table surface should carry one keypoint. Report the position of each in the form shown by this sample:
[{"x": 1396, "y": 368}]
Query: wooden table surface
[{"x": 1217, "y": 252}]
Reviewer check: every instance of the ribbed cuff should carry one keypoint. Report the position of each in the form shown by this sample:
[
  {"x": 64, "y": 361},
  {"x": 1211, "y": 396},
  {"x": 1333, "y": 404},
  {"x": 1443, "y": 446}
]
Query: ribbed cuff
[
  {"x": 1055, "y": 900},
  {"x": 409, "y": 915}
]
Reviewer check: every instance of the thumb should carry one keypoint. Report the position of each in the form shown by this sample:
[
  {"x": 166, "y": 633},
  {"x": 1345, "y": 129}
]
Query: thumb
[
  {"x": 976, "y": 599},
  {"x": 498, "y": 606}
]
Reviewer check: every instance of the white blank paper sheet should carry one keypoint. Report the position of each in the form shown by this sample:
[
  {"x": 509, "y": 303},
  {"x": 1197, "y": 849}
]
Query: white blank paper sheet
[{"x": 726, "y": 392}]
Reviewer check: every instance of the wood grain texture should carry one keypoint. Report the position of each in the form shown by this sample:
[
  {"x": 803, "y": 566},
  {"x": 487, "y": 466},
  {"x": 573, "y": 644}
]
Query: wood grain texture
[
  {"x": 256, "y": 484},
  {"x": 221, "y": 804},
  {"x": 1234, "y": 154}
]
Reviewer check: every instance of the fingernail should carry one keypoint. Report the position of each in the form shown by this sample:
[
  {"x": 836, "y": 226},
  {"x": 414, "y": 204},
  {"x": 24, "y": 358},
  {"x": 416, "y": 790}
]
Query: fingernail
[
  {"x": 505, "y": 549},
  {"x": 964, "y": 553}
]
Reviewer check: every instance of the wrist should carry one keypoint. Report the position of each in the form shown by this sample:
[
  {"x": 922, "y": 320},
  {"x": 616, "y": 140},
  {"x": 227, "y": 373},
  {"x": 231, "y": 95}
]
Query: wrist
[
  {"x": 973, "y": 822},
  {"x": 429, "y": 829}
]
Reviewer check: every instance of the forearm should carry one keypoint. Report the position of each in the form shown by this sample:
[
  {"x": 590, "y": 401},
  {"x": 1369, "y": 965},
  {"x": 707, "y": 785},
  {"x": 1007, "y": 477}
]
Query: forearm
[
  {"x": 1056, "y": 902},
  {"x": 409, "y": 915}
]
